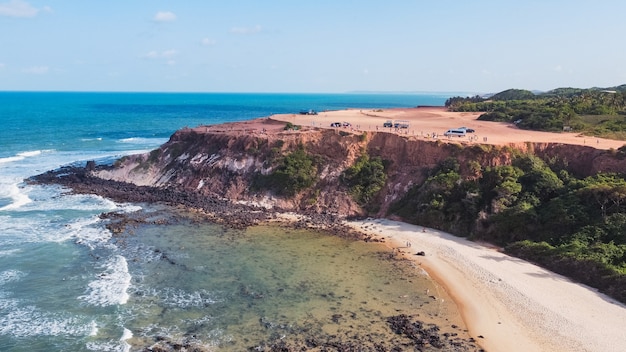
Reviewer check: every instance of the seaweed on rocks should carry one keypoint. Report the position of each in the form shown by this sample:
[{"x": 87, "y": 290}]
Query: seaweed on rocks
[
  {"x": 423, "y": 335},
  {"x": 220, "y": 211}
]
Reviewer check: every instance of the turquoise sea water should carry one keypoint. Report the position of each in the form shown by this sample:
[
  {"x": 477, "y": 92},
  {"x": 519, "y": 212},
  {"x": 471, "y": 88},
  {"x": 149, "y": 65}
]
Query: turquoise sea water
[{"x": 67, "y": 284}]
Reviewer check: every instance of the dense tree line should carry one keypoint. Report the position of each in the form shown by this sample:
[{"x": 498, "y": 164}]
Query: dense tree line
[
  {"x": 600, "y": 112},
  {"x": 574, "y": 226}
]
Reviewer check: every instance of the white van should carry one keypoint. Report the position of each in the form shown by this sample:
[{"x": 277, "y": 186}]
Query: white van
[
  {"x": 455, "y": 132},
  {"x": 401, "y": 124}
]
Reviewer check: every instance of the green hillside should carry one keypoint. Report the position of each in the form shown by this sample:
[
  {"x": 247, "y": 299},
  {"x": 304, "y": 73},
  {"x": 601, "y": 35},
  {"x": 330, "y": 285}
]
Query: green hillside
[{"x": 595, "y": 111}]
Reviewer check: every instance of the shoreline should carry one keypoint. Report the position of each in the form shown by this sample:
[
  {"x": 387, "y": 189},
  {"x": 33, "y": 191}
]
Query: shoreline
[{"x": 508, "y": 304}]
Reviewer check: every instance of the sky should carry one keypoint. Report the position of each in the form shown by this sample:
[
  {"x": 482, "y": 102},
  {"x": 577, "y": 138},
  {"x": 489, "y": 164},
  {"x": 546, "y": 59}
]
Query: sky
[{"x": 321, "y": 46}]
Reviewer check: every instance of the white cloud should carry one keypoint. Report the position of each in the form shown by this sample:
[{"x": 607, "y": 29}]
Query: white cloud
[
  {"x": 151, "y": 55},
  {"x": 208, "y": 41},
  {"x": 166, "y": 54},
  {"x": 2, "y": 65},
  {"x": 20, "y": 8},
  {"x": 164, "y": 16},
  {"x": 246, "y": 30},
  {"x": 169, "y": 53},
  {"x": 36, "y": 70},
  {"x": 558, "y": 68}
]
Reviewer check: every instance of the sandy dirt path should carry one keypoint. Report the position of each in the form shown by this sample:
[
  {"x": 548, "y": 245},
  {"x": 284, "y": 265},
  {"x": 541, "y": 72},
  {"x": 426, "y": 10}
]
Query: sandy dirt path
[{"x": 426, "y": 121}]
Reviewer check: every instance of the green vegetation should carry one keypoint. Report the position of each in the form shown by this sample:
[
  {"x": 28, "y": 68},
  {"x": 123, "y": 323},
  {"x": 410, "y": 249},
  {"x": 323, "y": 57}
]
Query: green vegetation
[
  {"x": 573, "y": 226},
  {"x": 365, "y": 178},
  {"x": 291, "y": 126},
  {"x": 295, "y": 172},
  {"x": 595, "y": 111}
]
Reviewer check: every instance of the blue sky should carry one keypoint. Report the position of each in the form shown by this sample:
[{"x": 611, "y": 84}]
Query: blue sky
[{"x": 311, "y": 46}]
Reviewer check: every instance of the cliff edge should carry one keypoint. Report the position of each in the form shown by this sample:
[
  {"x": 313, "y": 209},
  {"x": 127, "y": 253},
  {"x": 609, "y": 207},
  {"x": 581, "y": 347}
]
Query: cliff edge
[{"x": 223, "y": 162}]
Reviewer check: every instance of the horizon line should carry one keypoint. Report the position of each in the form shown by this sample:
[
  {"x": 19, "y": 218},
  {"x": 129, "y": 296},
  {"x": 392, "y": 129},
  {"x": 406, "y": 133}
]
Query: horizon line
[{"x": 241, "y": 92}]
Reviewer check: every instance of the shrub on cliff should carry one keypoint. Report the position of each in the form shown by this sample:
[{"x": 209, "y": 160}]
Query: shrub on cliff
[
  {"x": 445, "y": 200},
  {"x": 295, "y": 172},
  {"x": 365, "y": 178}
]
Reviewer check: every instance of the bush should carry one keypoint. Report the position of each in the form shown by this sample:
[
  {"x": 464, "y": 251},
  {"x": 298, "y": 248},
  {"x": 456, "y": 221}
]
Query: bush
[
  {"x": 365, "y": 178},
  {"x": 296, "y": 171}
]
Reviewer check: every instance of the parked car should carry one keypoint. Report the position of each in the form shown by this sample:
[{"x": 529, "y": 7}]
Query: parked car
[
  {"x": 335, "y": 124},
  {"x": 455, "y": 132},
  {"x": 347, "y": 124},
  {"x": 388, "y": 123},
  {"x": 467, "y": 130}
]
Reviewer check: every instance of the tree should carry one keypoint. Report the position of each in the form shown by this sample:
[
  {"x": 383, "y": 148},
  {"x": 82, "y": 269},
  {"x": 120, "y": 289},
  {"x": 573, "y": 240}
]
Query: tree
[
  {"x": 365, "y": 178},
  {"x": 295, "y": 172}
]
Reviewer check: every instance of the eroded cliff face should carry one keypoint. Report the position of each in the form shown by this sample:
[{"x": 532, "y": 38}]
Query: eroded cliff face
[{"x": 223, "y": 164}]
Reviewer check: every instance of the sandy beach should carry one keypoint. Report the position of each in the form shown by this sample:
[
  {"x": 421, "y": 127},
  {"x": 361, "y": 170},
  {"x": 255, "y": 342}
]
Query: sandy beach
[
  {"x": 507, "y": 303},
  {"x": 426, "y": 121}
]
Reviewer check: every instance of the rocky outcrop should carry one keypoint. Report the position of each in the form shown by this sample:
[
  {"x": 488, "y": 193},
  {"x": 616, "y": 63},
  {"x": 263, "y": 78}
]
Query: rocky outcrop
[{"x": 222, "y": 163}]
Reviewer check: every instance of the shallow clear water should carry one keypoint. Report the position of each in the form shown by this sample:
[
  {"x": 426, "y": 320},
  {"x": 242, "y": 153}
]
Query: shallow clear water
[{"x": 236, "y": 289}]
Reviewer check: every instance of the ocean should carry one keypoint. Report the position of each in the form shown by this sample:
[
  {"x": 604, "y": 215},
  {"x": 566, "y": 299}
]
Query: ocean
[{"x": 68, "y": 284}]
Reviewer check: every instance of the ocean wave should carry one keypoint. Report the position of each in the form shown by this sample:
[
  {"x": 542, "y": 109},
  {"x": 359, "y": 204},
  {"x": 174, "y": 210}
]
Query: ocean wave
[
  {"x": 10, "y": 276},
  {"x": 143, "y": 140},
  {"x": 88, "y": 232},
  {"x": 60, "y": 218},
  {"x": 9, "y": 252},
  {"x": 24, "y": 155},
  {"x": 16, "y": 195},
  {"x": 178, "y": 298},
  {"x": 51, "y": 198},
  {"x": 29, "y": 321},
  {"x": 120, "y": 345},
  {"x": 111, "y": 286}
]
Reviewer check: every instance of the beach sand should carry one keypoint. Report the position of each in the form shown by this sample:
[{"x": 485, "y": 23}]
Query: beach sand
[
  {"x": 507, "y": 303},
  {"x": 424, "y": 121}
]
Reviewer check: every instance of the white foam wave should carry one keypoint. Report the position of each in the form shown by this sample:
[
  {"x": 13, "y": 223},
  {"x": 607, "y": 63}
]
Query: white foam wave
[
  {"x": 19, "y": 198},
  {"x": 120, "y": 345},
  {"x": 50, "y": 198},
  {"x": 111, "y": 286},
  {"x": 94, "y": 328},
  {"x": 24, "y": 155},
  {"x": 87, "y": 232},
  {"x": 10, "y": 276},
  {"x": 29, "y": 321},
  {"x": 178, "y": 298},
  {"x": 60, "y": 218},
  {"x": 31, "y": 153},
  {"x": 9, "y": 252},
  {"x": 126, "y": 335},
  {"x": 142, "y": 140},
  {"x": 11, "y": 159}
]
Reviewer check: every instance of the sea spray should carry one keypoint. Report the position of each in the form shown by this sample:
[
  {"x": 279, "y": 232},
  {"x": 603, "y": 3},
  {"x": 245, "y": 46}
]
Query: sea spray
[{"x": 111, "y": 285}]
